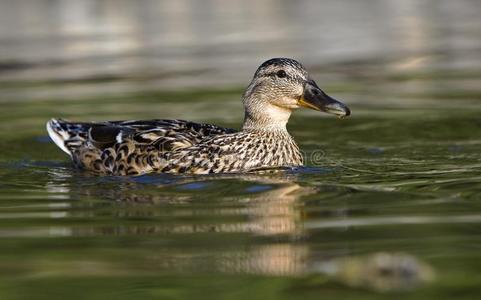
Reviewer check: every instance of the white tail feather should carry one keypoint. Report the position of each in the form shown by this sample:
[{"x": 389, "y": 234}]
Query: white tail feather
[{"x": 57, "y": 136}]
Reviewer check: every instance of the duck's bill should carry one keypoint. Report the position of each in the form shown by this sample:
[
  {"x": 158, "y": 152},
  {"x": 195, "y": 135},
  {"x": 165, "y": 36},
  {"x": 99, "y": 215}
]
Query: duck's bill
[{"x": 315, "y": 98}]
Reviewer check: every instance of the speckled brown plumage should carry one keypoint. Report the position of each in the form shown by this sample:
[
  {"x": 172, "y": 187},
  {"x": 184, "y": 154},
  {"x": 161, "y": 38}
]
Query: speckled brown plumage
[{"x": 176, "y": 146}]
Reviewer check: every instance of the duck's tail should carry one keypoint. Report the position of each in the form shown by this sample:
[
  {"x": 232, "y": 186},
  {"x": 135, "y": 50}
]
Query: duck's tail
[{"x": 66, "y": 135}]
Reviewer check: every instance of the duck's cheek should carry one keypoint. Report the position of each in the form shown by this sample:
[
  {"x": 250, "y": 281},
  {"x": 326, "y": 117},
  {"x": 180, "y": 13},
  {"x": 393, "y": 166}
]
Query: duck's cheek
[{"x": 287, "y": 102}]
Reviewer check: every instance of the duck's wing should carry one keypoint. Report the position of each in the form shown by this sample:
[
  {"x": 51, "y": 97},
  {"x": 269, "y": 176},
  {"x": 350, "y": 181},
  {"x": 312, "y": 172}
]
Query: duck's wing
[{"x": 164, "y": 135}]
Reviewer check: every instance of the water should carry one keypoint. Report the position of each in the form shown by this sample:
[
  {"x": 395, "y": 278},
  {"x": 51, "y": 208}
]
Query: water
[{"x": 388, "y": 205}]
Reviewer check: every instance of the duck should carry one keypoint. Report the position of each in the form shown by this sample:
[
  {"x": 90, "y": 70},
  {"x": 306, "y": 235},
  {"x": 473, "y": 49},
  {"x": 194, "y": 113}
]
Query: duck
[{"x": 136, "y": 147}]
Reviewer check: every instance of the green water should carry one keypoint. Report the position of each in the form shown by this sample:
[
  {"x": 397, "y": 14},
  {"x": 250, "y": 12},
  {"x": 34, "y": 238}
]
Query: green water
[{"x": 401, "y": 178}]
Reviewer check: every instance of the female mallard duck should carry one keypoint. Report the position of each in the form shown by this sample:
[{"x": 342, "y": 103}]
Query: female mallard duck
[{"x": 279, "y": 86}]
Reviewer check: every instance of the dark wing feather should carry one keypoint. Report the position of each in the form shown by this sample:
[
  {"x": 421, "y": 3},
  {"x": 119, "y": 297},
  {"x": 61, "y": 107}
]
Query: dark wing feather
[
  {"x": 165, "y": 135},
  {"x": 168, "y": 135}
]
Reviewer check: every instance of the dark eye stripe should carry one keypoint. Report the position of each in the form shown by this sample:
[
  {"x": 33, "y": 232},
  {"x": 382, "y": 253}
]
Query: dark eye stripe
[{"x": 276, "y": 74}]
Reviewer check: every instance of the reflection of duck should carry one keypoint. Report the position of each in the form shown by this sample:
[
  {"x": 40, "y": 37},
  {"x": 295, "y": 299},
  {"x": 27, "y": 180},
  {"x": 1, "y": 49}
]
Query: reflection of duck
[
  {"x": 259, "y": 206},
  {"x": 260, "y": 218},
  {"x": 266, "y": 204},
  {"x": 279, "y": 86}
]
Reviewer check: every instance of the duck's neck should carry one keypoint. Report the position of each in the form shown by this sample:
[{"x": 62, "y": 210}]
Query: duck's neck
[{"x": 264, "y": 118}]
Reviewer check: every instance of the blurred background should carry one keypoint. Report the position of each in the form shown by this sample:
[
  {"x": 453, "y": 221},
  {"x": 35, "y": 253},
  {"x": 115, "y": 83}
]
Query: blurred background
[
  {"x": 388, "y": 204},
  {"x": 71, "y": 49}
]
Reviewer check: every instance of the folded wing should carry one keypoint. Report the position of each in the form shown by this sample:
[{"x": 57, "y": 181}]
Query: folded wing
[{"x": 106, "y": 147}]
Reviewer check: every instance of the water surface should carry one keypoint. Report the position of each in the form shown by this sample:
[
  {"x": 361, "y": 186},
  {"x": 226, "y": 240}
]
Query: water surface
[{"x": 387, "y": 206}]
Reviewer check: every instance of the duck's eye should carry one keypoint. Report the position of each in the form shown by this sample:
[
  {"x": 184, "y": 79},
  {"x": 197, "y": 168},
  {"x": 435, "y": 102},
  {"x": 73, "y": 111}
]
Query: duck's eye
[{"x": 281, "y": 74}]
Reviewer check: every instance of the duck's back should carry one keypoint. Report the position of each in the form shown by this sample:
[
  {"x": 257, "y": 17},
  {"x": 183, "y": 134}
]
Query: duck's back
[{"x": 128, "y": 147}]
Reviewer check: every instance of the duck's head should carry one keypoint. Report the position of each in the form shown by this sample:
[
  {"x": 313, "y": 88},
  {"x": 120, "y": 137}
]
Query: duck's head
[{"x": 279, "y": 86}]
